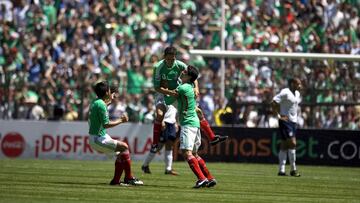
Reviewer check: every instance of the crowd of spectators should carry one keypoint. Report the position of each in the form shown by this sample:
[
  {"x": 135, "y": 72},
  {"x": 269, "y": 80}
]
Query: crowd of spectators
[{"x": 52, "y": 52}]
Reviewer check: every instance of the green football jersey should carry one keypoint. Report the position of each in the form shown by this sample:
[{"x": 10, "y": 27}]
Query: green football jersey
[
  {"x": 186, "y": 106},
  {"x": 98, "y": 117},
  {"x": 168, "y": 77}
]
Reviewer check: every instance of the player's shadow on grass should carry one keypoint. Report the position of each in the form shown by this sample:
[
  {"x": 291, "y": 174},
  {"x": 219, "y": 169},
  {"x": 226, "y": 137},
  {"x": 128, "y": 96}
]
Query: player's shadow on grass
[
  {"x": 107, "y": 184},
  {"x": 79, "y": 183}
]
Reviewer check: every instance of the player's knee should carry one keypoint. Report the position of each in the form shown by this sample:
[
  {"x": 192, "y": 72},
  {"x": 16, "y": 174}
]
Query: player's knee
[
  {"x": 186, "y": 154},
  {"x": 122, "y": 146},
  {"x": 169, "y": 145},
  {"x": 292, "y": 145}
]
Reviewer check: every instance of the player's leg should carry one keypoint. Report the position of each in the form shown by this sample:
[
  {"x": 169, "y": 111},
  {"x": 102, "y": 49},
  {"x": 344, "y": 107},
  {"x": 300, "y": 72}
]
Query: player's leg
[
  {"x": 119, "y": 166},
  {"x": 283, "y": 130},
  {"x": 282, "y": 158},
  {"x": 169, "y": 137},
  {"x": 205, "y": 127},
  {"x": 292, "y": 156},
  {"x": 168, "y": 158},
  {"x": 111, "y": 147},
  {"x": 211, "y": 180},
  {"x": 152, "y": 153},
  {"x": 145, "y": 167},
  {"x": 125, "y": 161},
  {"x": 159, "y": 117},
  {"x": 187, "y": 143}
]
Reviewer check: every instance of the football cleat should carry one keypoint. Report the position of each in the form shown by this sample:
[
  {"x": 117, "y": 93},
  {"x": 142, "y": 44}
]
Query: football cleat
[
  {"x": 112, "y": 182},
  {"x": 295, "y": 173},
  {"x": 211, "y": 183},
  {"x": 218, "y": 139},
  {"x": 281, "y": 173},
  {"x": 133, "y": 181},
  {"x": 146, "y": 169},
  {"x": 201, "y": 183},
  {"x": 171, "y": 172}
]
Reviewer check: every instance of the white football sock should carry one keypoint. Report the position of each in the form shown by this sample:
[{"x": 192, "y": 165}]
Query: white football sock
[
  {"x": 292, "y": 158},
  {"x": 149, "y": 158},
  {"x": 282, "y": 160},
  {"x": 168, "y": 159}
]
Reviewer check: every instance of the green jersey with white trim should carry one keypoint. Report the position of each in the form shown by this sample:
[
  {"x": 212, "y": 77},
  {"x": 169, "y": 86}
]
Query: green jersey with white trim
[
  {"x": 186, "y": 106},
  {"x": 167, "y": 77},
  {"x": 98, "y": 117}
]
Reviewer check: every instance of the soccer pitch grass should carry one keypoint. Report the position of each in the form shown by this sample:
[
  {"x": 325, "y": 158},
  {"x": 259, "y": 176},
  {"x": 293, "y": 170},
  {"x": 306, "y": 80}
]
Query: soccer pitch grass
[{"x": 87, "y": 181}]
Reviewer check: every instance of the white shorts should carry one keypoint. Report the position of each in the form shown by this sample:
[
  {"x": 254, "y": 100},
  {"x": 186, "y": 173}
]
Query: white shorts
[
  {"x": 171, "y": 110},
  {"x": 104, "y": 144},
  {"x": 190, "y": 138}
]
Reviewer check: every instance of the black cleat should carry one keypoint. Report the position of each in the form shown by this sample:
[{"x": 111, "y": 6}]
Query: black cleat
[
  {"x": 201, "y": 183},
  {"x": 133, "y": 181},
  {"x": 211, "y": 183},
  {"x": 295, "y": 173},
  {"x": 146, "y": 169},
  {"x": 218, "y": 139},
  {"x": 282, "y": 174}
]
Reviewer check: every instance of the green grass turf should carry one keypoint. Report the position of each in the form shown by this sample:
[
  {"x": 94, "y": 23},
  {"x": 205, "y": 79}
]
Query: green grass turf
[{"x": 87, "y": 181}]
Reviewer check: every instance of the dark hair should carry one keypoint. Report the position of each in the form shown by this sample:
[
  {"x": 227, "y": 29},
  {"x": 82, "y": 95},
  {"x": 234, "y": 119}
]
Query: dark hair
[
  {"x": 170, "y": 51},
  {"x": 101, "y": 89},
  {"x": 290, "y": 81},
  {"x": 113, "y": 89},
  {"x": 192, "y": 72}
]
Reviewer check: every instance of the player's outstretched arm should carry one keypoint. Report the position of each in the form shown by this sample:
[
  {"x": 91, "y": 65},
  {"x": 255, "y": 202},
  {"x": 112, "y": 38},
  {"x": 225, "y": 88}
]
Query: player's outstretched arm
[{"x": 122, "y": 119}]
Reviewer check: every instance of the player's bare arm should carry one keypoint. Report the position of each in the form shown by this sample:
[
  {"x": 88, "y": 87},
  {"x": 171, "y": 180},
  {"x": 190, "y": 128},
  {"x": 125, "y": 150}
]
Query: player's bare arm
[
  {"x": 122, "y": 119},
  {"x": 196, "y": 89}
]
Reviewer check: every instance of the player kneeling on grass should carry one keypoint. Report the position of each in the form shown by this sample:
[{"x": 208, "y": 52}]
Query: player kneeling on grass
[
  {"x": 190, "y": 136},
  {"x": 102, "y": 142}
]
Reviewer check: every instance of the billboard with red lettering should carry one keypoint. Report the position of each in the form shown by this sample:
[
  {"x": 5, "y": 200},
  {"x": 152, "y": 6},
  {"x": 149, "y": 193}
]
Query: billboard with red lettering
[{"x": 66, "y": 140}]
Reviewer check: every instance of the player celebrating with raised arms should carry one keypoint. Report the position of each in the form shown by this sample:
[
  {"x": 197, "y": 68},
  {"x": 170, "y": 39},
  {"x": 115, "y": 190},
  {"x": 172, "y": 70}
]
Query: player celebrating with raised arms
[
  {"x": 286, "y": 104},
  {"x": 102, "y": 142},
  {"x": 190, "y": 136}
]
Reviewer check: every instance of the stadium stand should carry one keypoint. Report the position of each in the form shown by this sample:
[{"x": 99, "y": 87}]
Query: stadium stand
[{"x": 52, "y": 52}]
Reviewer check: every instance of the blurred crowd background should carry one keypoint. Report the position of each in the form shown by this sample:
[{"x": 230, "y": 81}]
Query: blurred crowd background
[{"x": 52, "y": 52}]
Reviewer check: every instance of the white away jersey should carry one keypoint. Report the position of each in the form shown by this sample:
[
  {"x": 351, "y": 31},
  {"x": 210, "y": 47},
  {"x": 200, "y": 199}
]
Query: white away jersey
[{"x": 289, "y": 103}]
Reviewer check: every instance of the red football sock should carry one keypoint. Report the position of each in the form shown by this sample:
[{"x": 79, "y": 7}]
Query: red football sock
[
  {"x": 156, "y": 132},
  {"x": 205, "y": 127},
  {"x": 194, "y": 165},
  {"x": 126, "y": 163},
  {"x": 204, "y": 169},
  {"x": 118, "y": 170}
]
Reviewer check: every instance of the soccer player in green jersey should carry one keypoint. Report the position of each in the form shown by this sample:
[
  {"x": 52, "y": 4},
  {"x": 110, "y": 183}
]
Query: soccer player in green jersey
[
  {"x": 102, "y": 142},
  {"x": 190, "y": 136},
  {"x": 166, "y": 75}
]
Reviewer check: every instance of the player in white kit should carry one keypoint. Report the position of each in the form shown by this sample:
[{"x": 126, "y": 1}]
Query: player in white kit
[{"x": 286, "y": 104}]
